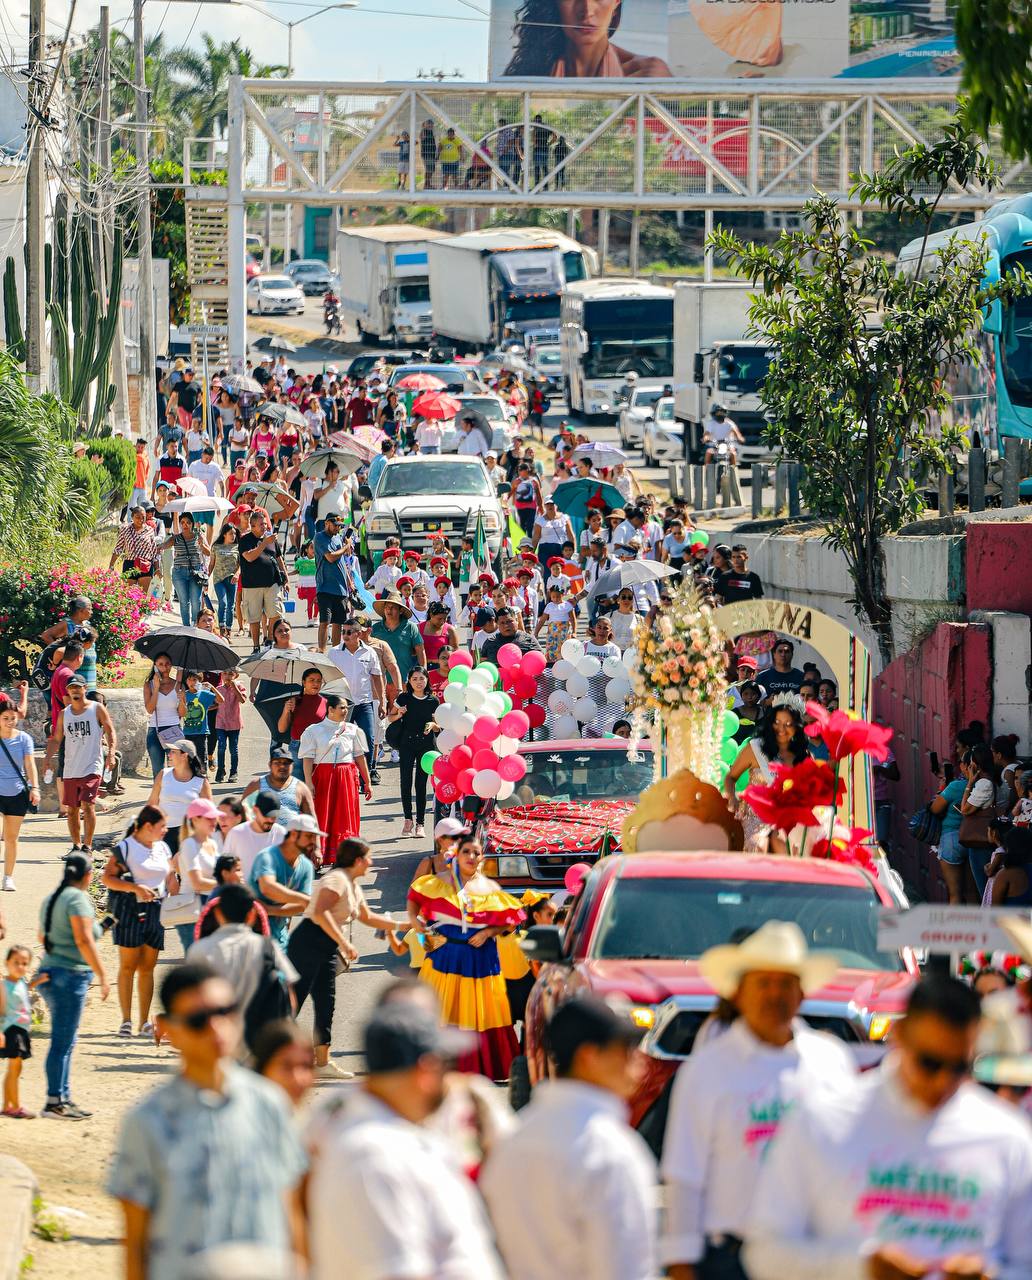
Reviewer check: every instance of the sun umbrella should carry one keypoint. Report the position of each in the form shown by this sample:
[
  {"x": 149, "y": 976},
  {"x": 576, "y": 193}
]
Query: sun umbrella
[
  {"x": 286, "y": 666},
  {"x": 279, "y": 344},
  {"x": 578, "y": 497},
  {"x": 434, "y": 404},
  {"x": 316, "y": 463},
  {"x": 282, "y": 413},
  {"x": 197, "y": 504},
  {"x": 630, "y": 574},
  {"x": 266, "y": 495},
  {"x": 241, "y": 384},
  {"x": 189, "y": 648},
  {"x": 421, "y": 382},
  {"x": 372, "y": 437},
  {"x": 191, "y": 488},
  {"x": 600, "y": 454},
  {"x": 344, "y": 443}
]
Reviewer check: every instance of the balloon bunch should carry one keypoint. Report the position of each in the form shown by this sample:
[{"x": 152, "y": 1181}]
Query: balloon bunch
[
  {"x": 729, "y": 750},
  {"x": 571, "y": 703},
  {"x": 700, "y": 538},
  {"x": 482, "y": 719}
]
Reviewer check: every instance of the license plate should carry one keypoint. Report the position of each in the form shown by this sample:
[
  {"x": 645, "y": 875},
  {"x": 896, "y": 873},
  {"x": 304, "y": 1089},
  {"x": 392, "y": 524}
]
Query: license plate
[{"x": 431, "y": 526}]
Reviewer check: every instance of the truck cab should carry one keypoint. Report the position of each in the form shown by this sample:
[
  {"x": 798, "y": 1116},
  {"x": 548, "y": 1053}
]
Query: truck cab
[
  {"x": 406, "y": 309},
  {"x": 731, "y": 373}
]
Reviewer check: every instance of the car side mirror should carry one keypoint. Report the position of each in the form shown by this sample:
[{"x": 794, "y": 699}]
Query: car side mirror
[
  {"x": 544, "y": 943},
  {"x": 650, "y": 417},
  {"x": 698, "y": 367},
  {"x": 504, "y": 489}
]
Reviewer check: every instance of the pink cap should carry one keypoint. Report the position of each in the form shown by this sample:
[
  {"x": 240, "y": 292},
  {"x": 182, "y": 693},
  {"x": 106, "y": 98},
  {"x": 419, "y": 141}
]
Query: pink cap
[{"x": 202, "y": 808}]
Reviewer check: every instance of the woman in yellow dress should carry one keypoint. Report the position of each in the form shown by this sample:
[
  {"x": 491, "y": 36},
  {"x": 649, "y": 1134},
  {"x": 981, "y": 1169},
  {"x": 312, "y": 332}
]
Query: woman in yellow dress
[{"x": 461, "y": 915}]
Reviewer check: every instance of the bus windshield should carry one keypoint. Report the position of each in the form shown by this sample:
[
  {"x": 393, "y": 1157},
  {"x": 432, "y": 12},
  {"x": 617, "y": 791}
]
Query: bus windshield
[
  {"x": 1016, "y": 340},
  {"x": 626, "y": 335}
]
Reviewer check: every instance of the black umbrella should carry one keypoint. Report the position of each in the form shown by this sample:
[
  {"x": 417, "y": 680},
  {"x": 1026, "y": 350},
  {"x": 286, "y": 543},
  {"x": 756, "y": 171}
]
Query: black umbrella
[
  {"x": 189, "y": 648},
  {"x": 479, "y": 423}
]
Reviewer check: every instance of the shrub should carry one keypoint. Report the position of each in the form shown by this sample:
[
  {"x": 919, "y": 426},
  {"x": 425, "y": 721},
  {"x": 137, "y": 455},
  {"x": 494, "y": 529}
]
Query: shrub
[
  {"x": 80, "y": 506},
  {"x": 32, "y": 599},
  {"x": 117, "y": 471}
]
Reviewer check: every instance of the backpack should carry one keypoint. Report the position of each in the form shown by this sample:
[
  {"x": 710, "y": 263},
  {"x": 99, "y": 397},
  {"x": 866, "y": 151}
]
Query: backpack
[
  {"x": 271, "y": 999},
  {"x": 925, "y": 826}
]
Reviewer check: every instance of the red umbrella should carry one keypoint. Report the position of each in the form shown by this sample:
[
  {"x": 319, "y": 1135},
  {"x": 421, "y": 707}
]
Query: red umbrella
[
  {"x": 421, "y": 382},
  {"x": 436, "y": 405}
]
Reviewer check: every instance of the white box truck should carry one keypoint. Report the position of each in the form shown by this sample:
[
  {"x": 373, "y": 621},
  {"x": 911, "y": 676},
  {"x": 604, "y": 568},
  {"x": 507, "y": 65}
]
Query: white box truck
[
  {"x": 384, "y": 281},
  {"x": 715, "y": 363},
  {"x": 487, "y": 287}
]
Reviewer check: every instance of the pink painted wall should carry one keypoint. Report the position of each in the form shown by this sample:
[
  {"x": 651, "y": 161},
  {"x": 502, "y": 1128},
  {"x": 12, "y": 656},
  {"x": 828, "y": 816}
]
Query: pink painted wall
[
  {"x": 997, "y": 559},
  {"x": 927, "y": 696}
]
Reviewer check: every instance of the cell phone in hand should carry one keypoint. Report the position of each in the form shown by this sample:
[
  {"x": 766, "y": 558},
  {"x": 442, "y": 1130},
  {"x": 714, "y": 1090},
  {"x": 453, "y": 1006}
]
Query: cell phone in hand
[{"x": 935, "y": 762}]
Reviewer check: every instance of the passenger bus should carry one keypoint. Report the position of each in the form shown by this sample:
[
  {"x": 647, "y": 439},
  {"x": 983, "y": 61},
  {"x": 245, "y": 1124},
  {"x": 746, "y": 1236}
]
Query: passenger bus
[{"x": 609, "y": 328}]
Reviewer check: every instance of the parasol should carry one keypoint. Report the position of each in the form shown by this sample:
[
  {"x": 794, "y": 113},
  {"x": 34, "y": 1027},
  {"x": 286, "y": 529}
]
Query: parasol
[
  {"x": 600, "y": 454},
  {"x": 279, "y": 344},
  {"x": 198, "y": 503},
  {"x": 578, "y": 497},
  {"x": 189, "y": 487},
  {"x": 189, "y": 649},
  {"x": 348, "y": 460},
  {"x": 282, "y": 413},
  {"x": 435, "y": 404},
  {"x": 630, "y": 574},
  {"x": 286, "y": 666},
  {"x": 242, "y": 384},
  {"x": 345, "y": 443},
  {"x": 421, "y": 382}
]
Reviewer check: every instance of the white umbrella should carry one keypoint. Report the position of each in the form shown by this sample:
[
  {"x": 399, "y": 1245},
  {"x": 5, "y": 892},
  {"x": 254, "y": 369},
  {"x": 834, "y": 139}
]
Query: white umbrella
[
  {"x": 631, "y": 573},
  {"x": 286, "y": 666},
  {"x": 195, "y": 504},
  {"x": 282, "y": 413},
  {"x": 242, "y": 384},
  {"x": 600, "y": 454},
  {"x": 316, "y": 463}
]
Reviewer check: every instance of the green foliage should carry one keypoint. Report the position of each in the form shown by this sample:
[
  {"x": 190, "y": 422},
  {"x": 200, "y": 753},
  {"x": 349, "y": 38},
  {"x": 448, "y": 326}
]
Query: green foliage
[
  {"x": 994, "y": 40},
  {"x": 46, "y": 1224},
  {"x": 168, "y": 230},
  {"x": 13, "y": 332},
  {"x": 81, "y": 499},
  {"x": 858, "y": 382},
  {"x": 117, "y": 471}
]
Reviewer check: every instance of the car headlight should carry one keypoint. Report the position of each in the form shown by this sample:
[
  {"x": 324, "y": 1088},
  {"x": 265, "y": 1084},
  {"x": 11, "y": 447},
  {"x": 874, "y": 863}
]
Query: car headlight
[
  {"x": 513, "y": 866},
  {"x": 881, "y": 1025},
  {"x": 382, "y": 524},
  {"x": 643, "y": 1016},
  {"x": 491, "y": 522}
]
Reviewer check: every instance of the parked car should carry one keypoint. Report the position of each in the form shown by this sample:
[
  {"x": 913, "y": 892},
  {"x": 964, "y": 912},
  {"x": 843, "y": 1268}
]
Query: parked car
[
  {"x": 597, "y": 785},
  {"x": 664, "y": 436},
  {"x": 363, "y": 365},
  {"x": 312, "y": 276},
  {"x": 642, "y": 921},
  {"x": 274, "y": 295},
  {"x": 635, "y": 410}
]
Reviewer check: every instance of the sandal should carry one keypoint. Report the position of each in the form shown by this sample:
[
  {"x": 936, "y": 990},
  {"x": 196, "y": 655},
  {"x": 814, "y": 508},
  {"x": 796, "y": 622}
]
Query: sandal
[{"x": 18, "y": 1113}]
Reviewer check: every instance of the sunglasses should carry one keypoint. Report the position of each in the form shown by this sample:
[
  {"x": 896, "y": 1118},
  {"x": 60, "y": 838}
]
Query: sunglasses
[
  {"x": 625, "y": 597},
  {"x": 931, "y": 1064},
  {"x": 200, "y": 1019}
]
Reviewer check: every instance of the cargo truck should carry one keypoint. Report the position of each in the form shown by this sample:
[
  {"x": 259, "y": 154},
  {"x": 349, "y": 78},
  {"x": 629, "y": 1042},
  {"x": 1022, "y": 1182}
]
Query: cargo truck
[
  {"x": 384, "y": 282},
  {"x": 715, "y": 363},
  {"x": 491, "y": 287}
]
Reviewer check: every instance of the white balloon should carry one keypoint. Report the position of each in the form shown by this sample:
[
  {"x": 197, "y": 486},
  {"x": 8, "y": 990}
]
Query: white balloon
[
  {"x": 475, "y": 696},
  {"x": 588, "y": 666},
  {"x": 566, "y": 727},
  {"x": 585, "y": 709},
  {"x": 572, "y": 651},
  {"x": 448, "y": 740},
  {"x": 493, "y": 706},
  {"x": 617, "y": 691},
  {"x": 576, "y": 686},
  {"x": 455, "y": 695},
  {"x": 487, "y": 783},
  {"x": 503, "y": 746},
  {"x": 481, "y": 677},
  {"x": 613, "y": 668},
  {"x": 562, "y": 670},
  {"x": 506, "y": 789},
  {"x": 464, "y": 724},
  {"x": 559, "y": 702},
  {"x": 445, "y": 715}
]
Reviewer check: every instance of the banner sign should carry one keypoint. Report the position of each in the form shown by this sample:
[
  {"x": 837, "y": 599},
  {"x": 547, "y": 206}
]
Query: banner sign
[{"x": 947, "y": 930}]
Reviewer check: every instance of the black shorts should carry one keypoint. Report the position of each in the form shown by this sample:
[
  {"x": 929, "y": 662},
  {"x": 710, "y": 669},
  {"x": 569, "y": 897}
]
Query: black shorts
[
  {"x": 16, "y": 1043},
  {"x": 139, "y": 925},
  {"x": 14, "y": 806},
  {"x": 335, "y": 609}
]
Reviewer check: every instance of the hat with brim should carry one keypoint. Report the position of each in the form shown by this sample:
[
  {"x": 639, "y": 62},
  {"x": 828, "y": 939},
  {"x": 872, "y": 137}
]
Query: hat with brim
[
  {"x": 381, "y": 605},
  {"x": 1020, "y": 932},
  {"x": 1003, "y": 1051},
  {"x": 776, "y": 947}
]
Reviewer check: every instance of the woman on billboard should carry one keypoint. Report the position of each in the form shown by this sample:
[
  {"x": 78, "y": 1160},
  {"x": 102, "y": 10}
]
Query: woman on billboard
[{"x": 571, "y": 39}]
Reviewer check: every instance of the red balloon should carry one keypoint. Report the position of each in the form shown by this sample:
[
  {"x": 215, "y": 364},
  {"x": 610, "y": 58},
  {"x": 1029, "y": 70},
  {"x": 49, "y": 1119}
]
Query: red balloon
[
  {"x": 447, "y": 792},
  {"x": 444, "y": 769},
  {"x": 536, "y": 715},
  {"x": 464, "y": 782},
  {"x": 485, "y": 759},
  {"x": 461, "y": 757},
  {"x": 533, "y": 663},
  {"x": 517, "y": 704},
  {"x": 525, "y": 686},
  {"x": 460, "y": 658},
  {"x": 509, "y": 655}
]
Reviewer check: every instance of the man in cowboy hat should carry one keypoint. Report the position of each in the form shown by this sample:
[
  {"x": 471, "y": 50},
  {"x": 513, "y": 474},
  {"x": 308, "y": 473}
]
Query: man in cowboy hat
[
  {"x": 730, "y": 1095},
  {"x": 915, "y": 1171},
  {"x": 400, "y": 632}
]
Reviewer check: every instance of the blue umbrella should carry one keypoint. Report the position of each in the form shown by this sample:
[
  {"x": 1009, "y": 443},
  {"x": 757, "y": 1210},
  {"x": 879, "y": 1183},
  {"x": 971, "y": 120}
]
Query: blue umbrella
[{"x": 579, "y": 497}]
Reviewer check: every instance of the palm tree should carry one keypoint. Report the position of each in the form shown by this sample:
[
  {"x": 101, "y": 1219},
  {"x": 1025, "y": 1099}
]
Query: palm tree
[{"x": 204, "y": 83}]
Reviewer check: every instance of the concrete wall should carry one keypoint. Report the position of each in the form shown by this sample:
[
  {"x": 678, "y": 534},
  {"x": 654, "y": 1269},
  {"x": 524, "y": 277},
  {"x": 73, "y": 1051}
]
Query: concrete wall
[
  {"x": 924, "y": 576},
  {"x": 998, "y": 559}
]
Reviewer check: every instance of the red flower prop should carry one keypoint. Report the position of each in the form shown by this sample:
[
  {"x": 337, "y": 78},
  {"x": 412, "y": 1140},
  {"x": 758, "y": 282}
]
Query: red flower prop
[
  {"x": 850, "y": 849},
  {"x": 789, "y": 801},
  {"x": 844, "y": 734}
]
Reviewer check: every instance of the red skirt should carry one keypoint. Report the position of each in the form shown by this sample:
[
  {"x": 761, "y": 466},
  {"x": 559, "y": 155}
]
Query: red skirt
[{"x": 336, "y": 805}]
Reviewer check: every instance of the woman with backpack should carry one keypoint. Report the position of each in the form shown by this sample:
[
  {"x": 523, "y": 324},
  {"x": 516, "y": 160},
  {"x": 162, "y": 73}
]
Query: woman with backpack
[{"x": 69, "y": 935}]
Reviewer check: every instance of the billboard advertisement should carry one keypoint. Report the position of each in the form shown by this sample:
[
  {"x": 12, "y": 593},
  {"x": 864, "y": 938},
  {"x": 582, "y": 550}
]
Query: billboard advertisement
[{"x": 722, "y": 39}]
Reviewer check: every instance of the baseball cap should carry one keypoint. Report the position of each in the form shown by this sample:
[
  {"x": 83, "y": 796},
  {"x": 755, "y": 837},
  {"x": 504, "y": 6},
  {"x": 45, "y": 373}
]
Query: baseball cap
[
  {"x": 201, "y": 808},
  {"x": 363, "y": 620},
  {"x": 75, "y": 680},
  {"x": 185, "y": 746},
  {"x": 587, "y": 1020},
  {"x": 399, "y": 1034},
  {"x": 746, "y": 661},
  {"x": 485, "y": 615},
  {"x": 303, "y": 822},
  {"x": 448, "y": 827},
  {"x": 280, "y": 752},
  {"x": 266, "y": 804}
]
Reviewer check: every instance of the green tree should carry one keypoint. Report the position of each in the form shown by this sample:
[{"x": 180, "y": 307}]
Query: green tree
[
  {"x": 858, "y": 382},
  {"x": 994, "y": 39},
  {"x": 204, "y": 78}
]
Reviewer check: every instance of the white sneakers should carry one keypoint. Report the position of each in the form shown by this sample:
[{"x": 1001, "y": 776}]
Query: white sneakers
[
  {"x": 9, "y": 885},
  {"x": 406, "y": 827},
  {"x": 330, "y": 1071}
]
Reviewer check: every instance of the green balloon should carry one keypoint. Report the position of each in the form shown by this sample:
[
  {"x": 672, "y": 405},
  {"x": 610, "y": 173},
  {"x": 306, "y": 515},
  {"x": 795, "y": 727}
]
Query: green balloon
[
  {"x": 728, "y": 751},
  {"x": 731, "y": 724},
  {"x": 700, "y": 538},
  {"x": 742, "y": 783},
  {"x": 491, "y": 669},
  {"x": 459, "y": 675},
  {"x": 427, "y": 761},
  {"x": 506, "y": 703}
]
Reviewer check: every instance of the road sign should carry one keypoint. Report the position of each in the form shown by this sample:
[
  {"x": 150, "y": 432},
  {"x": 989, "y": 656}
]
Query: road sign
[
  {"x": 947, "y": 930},
  {"x": 207, "y": 330}
]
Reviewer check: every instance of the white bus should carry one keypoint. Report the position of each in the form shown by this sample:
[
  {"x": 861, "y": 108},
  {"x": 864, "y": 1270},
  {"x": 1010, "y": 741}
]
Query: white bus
[{"x": 609, "y": 328}]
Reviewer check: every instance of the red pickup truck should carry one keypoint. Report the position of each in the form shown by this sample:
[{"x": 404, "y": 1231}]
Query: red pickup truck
[{"x": 644, "y": 919}]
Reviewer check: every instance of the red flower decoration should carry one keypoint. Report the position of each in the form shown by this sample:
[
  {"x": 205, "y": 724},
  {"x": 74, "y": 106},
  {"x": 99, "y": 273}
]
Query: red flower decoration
[
  {"x": 845, "y": 735},
  {"x": 789, "y": 801},
  {"x": 851, "y": 849}
]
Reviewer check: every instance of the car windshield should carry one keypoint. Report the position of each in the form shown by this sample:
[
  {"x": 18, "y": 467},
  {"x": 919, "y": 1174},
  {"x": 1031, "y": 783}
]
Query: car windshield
[
  {"x": 646, "y": 397},
  {"x": 414, "y": 291},
  {"x": 448, "y": 373},
  {"x": 278, "y": 282},
  {"x": 487, "y": 405},
  {"x": 665, "y": 411},
  {"x": 548, "y": 359},
  {"x": 679, "y": 919},
  {"x": 744, "y": 369},
  {"x": 406, "y": 479},
  {"x": 577, "y": 774}
]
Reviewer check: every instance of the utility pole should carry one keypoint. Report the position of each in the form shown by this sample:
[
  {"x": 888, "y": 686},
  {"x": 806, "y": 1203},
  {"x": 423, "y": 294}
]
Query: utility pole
[
  {"x": 148, "y": 391},
  {"x": 107, "y": 221},
  {"x": 37, "y": 356}
]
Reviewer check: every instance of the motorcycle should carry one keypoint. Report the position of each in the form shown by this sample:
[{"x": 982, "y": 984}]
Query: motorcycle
[{"x": 331, "y": 318}]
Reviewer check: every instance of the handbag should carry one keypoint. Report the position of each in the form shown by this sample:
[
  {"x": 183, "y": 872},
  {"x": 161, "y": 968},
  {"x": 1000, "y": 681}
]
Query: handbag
[
  {"x": 169, "y": 735},
  {"x": 925, "y": 826},
  {"x": 33, "y": 808},
  {"x": 392, "y": 735},
  {"x": 180, "y": 908},
  {"x": 119, "y": 902},
  {"x": 974, "y": 828}
]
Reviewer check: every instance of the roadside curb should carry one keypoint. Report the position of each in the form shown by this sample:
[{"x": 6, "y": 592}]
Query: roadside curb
[{"x": 18, "y": 1189}]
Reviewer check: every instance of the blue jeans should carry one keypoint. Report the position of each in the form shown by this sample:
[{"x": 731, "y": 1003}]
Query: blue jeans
[
  {"x": 299, "y": 769},
  {"x": 362, "y": 715},
  {"x": 65, "y": 994},
  {"x": 188, "y": 589},
  {"x": 186, "y": 936},
  {"x": 977, "y": 860},
  {"x": 230, "y": 738},
  {"x": 155, "y": 752},
  {"x": 225, "y": 594}
]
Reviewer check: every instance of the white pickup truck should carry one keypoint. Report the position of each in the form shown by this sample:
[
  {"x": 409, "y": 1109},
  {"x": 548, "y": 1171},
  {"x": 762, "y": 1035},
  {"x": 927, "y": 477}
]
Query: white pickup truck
[{"x": 416, "y": 497}]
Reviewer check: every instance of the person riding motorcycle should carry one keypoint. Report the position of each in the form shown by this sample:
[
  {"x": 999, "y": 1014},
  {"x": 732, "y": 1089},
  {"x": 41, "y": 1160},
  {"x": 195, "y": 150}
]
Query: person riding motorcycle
[
  {"x": 331, "y": 311},
  {"x": 721, "y": 430},
  {"x": 623, "y": 396}
]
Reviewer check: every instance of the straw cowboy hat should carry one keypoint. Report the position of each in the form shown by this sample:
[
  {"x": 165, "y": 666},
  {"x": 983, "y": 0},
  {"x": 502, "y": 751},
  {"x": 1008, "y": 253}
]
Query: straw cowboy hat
[
  {"x": 777, "y": 946},
  {"x": 393, "y": 598}
]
